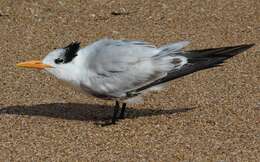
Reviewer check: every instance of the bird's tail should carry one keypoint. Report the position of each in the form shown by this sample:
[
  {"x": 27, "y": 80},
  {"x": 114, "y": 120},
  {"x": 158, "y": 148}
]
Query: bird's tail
[{"x": 199, "y": 60}]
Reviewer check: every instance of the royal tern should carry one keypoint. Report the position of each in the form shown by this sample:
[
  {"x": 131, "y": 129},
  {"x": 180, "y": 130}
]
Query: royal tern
[{"x": 122, "y": 70}]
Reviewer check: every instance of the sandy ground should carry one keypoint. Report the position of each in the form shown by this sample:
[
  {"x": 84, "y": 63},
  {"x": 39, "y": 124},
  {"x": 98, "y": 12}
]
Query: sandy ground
[{"x": 212, "y": 115}]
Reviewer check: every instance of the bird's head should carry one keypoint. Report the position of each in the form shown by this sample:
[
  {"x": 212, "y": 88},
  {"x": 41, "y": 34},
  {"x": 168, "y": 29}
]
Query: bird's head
[{"x": 60, "y": 62}]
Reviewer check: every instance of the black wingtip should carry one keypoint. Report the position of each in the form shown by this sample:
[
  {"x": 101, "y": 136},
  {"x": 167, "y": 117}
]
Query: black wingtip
[
  {"x": 247, "y": 46},
  {"x": 244, "y": 46},
  {"x": 238, "y": 49},
  {"x": 219, "y": 52}
]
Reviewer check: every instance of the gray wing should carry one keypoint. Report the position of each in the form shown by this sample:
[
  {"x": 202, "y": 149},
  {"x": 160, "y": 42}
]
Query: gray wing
[
  {"x": 111, "y": 56},
  {"x": 119, "y": 66}
]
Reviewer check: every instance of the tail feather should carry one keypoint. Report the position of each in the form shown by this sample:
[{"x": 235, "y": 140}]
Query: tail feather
[{"x": 199, "y": 60}]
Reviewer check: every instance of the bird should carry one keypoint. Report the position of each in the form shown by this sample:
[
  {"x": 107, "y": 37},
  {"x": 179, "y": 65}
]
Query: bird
[{"x": 125, "y": 70}]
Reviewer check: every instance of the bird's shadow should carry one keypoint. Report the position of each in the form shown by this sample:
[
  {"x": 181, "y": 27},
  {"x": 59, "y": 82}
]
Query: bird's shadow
[{"x": 83, "y": 112}]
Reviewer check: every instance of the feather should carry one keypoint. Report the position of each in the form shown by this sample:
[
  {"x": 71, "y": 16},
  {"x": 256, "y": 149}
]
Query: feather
[{"x": 71, "y": 51}]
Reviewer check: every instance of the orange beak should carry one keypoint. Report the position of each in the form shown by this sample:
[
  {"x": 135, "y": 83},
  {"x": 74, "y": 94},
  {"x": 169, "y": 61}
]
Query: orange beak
[{"x": 36, "y": 64}]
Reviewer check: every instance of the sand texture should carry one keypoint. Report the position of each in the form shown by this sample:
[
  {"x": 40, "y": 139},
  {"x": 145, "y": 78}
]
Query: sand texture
[{"x": 211, "y": 115}]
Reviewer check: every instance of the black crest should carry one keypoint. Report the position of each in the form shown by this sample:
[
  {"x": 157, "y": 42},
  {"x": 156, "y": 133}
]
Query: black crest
[{"x": 71, "y": 51}]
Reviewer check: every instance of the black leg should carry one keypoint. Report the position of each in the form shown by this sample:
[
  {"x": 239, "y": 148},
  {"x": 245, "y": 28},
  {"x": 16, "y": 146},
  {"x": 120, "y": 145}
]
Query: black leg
[
  {"x": 122, "y": 114},
  {"x": 114, "y": 118}
]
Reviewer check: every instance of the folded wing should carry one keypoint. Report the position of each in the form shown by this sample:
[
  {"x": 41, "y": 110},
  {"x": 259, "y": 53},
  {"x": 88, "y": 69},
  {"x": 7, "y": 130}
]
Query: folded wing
[{"x": 119, "y": 66}]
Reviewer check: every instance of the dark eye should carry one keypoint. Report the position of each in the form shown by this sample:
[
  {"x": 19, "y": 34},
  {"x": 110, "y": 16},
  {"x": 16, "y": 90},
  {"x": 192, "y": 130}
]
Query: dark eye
[{"x": 58, "y": 60}]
